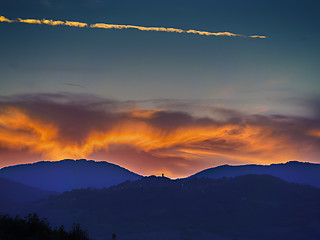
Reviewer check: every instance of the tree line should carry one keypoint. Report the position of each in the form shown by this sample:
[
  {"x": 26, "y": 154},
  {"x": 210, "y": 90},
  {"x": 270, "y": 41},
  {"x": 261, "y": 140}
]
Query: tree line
[{"x": 34, "y": 228}]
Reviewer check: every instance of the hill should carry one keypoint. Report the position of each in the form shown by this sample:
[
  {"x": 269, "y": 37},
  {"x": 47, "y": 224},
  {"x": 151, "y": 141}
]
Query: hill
[
  {"x": 13, "y": 194},
  {"x": 298, "y": 172},
  {"x": 68, "y": 174},
  {"x": 246, "y": 207}
]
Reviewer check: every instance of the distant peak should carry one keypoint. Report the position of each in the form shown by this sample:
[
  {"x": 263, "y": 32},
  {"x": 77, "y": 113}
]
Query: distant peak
[
  {"x": 290, "y": 163},
  {"x": 156, "y": 177},
  {"x": 73, "y": 160},
  {"x": 298, "y": 163}
]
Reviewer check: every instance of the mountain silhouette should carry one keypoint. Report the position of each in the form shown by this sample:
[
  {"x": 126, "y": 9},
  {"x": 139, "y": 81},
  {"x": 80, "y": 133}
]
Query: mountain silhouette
[
  {"x": 68, "y": 174},
  {"x": 14, "y": 194},
  {"x": 297, "y": 172},
  {"x": 247, "y": 207}
]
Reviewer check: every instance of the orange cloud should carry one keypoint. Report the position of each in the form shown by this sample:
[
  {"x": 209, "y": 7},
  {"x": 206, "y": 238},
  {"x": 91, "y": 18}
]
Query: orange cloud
[
  {"x": 314, "y": 133},
  {"x": 3, "y": 19},
  {"x": 58, "y": 127},
  {"x": 228, "y": 34},
  {"x": 52, "y": 23},
  {"x": 46, "y": 22},
  {"x": 164, "y": 29},
  {"x": 30, "y": 21},
  {"x": 117, "y": 26},
  {"x": 75, "y": 24}
]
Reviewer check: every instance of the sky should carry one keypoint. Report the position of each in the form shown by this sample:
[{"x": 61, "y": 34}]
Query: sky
[{"x": 170, "y": 87}]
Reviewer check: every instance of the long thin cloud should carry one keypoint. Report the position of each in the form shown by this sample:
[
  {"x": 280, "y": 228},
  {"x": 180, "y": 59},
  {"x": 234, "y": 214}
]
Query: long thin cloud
[
  {"x": 51, "y": 22},
  {"x": 116, "y": 26}
]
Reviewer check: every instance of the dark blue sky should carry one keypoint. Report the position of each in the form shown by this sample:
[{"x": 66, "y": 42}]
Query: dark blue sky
[
  {"x": 130, "y": 64},
  {"x": 276, "y": 75}
]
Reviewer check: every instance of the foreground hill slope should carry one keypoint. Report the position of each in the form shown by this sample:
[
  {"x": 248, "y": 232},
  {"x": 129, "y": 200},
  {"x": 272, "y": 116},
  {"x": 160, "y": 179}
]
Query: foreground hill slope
[
  {"x": 247, "y": 207},
  {"x": 68, "y": 174},
  {"x": 13, "y": 194},
  {"x": 298, "y": 172}
]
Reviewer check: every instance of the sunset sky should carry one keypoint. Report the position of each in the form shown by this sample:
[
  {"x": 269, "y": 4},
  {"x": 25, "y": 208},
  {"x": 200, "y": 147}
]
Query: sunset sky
[{"x": 157, "y": 87}]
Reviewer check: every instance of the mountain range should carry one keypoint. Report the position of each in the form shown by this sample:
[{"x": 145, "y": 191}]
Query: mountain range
[
  {"x": 66, "y": 175},
  {"x": 246, "y": 207},
  {"x": 279, "y": 201}
]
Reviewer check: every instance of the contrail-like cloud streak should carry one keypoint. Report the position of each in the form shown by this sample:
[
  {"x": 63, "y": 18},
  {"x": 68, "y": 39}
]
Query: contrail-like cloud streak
[
  {"x": 51, "y": 22},
  {"x": 116, "y": 26}
]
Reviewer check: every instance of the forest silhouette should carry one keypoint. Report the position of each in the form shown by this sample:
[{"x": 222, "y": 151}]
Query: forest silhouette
[{"x": 34, "y": 228}]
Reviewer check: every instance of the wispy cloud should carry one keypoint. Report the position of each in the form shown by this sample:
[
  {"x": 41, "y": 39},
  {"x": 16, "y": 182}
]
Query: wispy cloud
[{"x": 117, "y": 26}]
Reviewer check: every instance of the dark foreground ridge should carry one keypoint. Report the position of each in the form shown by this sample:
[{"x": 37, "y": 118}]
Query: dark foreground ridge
[
  {"x": 34, "y": 228},
  {"x": 249, "y": 207}
]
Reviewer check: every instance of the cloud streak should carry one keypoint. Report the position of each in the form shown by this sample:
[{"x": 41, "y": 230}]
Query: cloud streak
[
  {"x": 4, "y": 19},
  {"x": 51, "y": 22},
  {"x": 63, "y": 126},
  {"x": 121, "y": 27}
]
